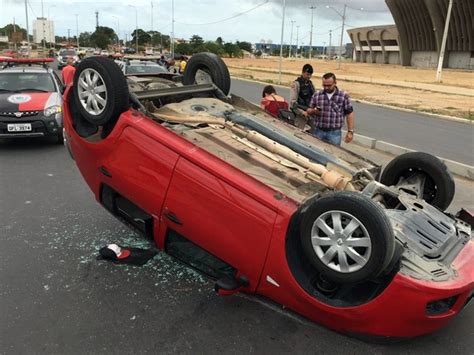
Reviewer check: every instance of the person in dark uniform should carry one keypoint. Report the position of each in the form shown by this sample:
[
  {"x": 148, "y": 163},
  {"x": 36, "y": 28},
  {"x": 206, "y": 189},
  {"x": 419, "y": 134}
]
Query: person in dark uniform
[{"x": 302, "y": 89}]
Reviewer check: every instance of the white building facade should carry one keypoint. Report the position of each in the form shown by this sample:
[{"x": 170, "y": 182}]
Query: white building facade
[{"x": 43, "y": 29}]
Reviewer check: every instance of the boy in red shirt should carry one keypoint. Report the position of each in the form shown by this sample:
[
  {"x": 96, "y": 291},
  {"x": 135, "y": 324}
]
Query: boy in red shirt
[{"x": 68, "y": 72}]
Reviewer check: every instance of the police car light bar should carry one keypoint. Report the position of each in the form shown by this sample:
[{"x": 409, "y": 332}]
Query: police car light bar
[{"x": 26, "y": 60}]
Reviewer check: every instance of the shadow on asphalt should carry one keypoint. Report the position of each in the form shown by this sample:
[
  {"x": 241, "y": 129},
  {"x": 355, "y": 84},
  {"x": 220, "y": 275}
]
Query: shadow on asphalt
[{"x": 28, "y": 143}]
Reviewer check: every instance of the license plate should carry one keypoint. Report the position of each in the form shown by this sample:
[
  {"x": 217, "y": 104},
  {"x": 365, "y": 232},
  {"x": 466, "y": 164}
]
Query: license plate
[{"x": 19, "y": 127}]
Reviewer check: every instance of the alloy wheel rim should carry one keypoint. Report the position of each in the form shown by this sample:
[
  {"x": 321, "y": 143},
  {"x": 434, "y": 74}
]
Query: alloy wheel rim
[
  {"x": 92, "y": 92},
  {"x": 341, "y": 242}
]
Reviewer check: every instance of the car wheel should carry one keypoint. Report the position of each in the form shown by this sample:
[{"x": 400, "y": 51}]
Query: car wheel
[
  {"x": 100, "y": 90},
  {"x": 428, "y": 177},
  {"x": 209, "y": 64},
  {"x": 347, "y": 237}
]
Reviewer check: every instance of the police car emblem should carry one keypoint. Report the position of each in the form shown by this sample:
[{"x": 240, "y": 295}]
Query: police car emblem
[{"x": 19, "y": 99}]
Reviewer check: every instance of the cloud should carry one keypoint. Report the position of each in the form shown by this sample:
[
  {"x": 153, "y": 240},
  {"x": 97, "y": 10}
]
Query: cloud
[{"x": 261, "y": 22}]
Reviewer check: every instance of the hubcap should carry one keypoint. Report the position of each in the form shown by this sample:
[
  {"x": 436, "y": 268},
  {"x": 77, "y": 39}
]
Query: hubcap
[
  {"x": 341, "y": 241},
  {"x": 92, "y": 91}
]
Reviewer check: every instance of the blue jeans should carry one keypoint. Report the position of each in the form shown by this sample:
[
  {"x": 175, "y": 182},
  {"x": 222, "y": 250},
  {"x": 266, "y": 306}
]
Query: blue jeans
[{"x": 333, "y": 137}]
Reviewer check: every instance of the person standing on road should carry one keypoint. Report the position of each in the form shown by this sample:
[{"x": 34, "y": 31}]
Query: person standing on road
[
  {"x": 331, "y": 105},
  {"x": 302, "y": 90},
  {"x": 182, "y": 64},
  {"x": 68, "y": 72}
]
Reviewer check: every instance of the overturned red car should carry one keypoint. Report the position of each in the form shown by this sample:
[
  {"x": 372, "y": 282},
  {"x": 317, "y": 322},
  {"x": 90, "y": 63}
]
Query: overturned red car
[{"x": 264, "y": 208}]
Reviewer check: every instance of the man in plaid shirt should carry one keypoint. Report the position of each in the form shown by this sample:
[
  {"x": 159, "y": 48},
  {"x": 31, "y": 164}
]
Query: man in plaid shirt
[{"x": 331, "y": 105}]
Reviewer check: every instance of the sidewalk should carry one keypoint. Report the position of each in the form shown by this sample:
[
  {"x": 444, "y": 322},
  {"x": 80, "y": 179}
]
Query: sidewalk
[{"x": 444, "y": 89}]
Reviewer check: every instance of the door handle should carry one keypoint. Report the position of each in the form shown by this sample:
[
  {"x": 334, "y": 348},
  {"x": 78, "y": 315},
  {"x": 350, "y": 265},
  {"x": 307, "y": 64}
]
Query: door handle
[{"x": 172, "y": 217}]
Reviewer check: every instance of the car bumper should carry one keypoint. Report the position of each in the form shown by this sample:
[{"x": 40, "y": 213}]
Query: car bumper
[
  {"x": 40, "y": 126},
  {"x": 401, "y": 310}
]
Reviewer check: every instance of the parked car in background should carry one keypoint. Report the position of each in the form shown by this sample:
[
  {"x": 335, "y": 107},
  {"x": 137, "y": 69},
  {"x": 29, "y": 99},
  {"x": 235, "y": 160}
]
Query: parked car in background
[
  {"x": 104, "y": 52},
  {"x": 264, "y": 208},
  {"x": 30, "y": 99},
  {"x": 129, "y": 50},
  {"x": 64, "y": 54},
  {"x": 11, "y": 53},
  {"x": 140, "y": 66}
]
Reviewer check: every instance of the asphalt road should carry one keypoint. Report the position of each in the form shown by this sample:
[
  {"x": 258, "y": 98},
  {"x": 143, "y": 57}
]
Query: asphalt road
[
  {"x": 56, "y": 298},
  {"x": 444, "y": 138}
]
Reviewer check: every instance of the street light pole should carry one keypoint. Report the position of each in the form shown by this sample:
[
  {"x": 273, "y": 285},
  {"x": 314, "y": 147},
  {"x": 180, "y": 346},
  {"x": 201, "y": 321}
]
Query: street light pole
[
  {"x": 77, "y": 30},
  {"x": 443, "y": 43},
  {"x": 118, "y": 29},
  {"x": 342, "y": 35},
  {"x": 291, "y": 38},
  {"x": 27, "y": 26},
  {"x": 343, "y": 16},
  {"x": 281, "y": 41},
  {"x": 311, "y": 33},
  {"x": 136, "y": 28},
  {"x": 297, "y": 33}
]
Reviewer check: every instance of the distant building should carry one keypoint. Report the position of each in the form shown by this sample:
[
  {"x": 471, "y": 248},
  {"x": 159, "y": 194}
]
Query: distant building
[
  {"x": 43, "y": 29},
  {"x": 270, "y": 48},
  {"x": 376, "y": 44},
  {"x": 416, "y": 37}
]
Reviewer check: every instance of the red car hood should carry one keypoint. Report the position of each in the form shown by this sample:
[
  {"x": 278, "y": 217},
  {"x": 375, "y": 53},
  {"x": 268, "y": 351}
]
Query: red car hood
[{"x": 28, "y": 101}]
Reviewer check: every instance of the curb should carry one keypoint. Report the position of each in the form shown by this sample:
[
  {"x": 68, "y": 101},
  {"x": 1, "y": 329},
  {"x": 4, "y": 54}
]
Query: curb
[{"x": 460, "y": 169}]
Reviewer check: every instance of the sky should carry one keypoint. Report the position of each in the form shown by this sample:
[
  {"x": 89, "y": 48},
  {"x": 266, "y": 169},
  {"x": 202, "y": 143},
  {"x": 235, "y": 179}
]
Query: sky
[{"x": 261, "y": 19}]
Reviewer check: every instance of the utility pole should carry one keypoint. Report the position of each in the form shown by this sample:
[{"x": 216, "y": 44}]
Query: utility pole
[
  {"x": 27, "y": 26},
  {"x": 68, "y": 35},
  {"x": 291, "y": 38},
  {"x": 297, "y": 32},
  {"x": 14, "y": 31},
  {"x": 311, "y": 33},
  {"x": 281, "y": 41},
  {"x": 172, "y": 29},
  {"x": 42, "y": 22},
  {"x": 96, "y": 19},
  {"x": 443, "y": 43},
  {"x": 77, "y": 31}
]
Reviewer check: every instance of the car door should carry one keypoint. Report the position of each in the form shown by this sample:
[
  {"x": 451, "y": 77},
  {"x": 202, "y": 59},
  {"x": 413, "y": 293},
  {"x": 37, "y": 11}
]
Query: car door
[
  {"x": 145, "y": 167},
  {"x": 219, "y": 218}
]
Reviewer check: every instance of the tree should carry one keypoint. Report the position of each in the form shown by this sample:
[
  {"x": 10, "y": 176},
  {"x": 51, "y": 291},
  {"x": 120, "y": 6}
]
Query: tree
[
  {"x": 246, "y": 46},
  {"x": 9, "y": 29},
  {"x": 85, "y": 39},
  {"x": 103, "y": 36},
  {"x": 183, "y": 48},
  {"x": 232, "y": 50},
  {"x": 196, "y": 41},
  {"x": 213, "y": 47},
  {"x": 143, "y": 37},
  {"x": 219, "y": 41}
]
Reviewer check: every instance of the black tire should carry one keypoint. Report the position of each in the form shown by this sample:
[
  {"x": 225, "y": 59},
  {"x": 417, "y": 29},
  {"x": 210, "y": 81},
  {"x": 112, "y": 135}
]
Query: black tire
[
  {"x": 117, "y": 95},
  {"x": 211, "y": 64},
  {"x": 439, "y": 184},
  {"x": 366, "y": 214}
]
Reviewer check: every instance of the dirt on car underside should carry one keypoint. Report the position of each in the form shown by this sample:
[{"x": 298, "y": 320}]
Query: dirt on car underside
[{"x": 205, "y": 122}]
